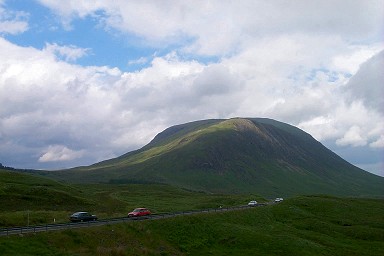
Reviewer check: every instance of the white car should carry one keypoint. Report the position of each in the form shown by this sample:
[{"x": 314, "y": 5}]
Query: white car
[
  {"x": 279, "y": 199},
  {"x": 252, "y": 203}
]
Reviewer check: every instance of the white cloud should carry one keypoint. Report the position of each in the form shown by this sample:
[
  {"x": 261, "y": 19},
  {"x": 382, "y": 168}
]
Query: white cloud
[
  {"x": 379, "y": 143},
  {"x": 59, "y": 153},
  {"x": 320, "y": 127},
  {"x": 219, "y": 28},
  {"x": 12, "y": 22},
  {"x": 350, "y": 61},
  {"x": 367, "y": 84},
  {"x": 140, "y": 61},
  {"x": 13, "y": 27},
  {"x": 352, "y": 137},
  {"x": 348, "y": 124},
  {"x": 67, "y": 52}
]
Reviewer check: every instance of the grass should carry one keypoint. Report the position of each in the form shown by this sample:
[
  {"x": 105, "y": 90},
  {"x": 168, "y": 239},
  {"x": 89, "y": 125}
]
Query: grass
[
  {"x": 299, "y": 226},
  {"x": 27, "y": 199},
  {"x": 306, "y": 225}
]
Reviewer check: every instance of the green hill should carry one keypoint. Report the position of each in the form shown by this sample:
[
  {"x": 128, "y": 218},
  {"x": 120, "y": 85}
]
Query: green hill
[{"x": 238, "y": 155}]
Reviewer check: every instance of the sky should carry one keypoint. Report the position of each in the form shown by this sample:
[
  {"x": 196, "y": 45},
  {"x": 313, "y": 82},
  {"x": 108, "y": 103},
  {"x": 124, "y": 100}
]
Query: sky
[{"x": 82, "y": 81}]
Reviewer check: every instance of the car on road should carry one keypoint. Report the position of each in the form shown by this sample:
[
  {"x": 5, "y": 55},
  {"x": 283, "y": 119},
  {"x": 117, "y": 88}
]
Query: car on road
[
  {"x": 139, "y": 212},
  {"x": 82, "y": 216},
  {"x": 252, "y": 203},
  {"x": 279, "y": 199}
]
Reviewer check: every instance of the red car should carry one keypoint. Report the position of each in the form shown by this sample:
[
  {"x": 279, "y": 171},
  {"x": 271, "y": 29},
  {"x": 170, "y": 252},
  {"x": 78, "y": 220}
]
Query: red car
[{"x": 139, "y": 212}]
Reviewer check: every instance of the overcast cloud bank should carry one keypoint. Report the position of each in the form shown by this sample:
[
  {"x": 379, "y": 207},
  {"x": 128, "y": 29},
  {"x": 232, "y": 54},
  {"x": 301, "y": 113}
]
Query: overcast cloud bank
[{"x": 313, "y": 64}]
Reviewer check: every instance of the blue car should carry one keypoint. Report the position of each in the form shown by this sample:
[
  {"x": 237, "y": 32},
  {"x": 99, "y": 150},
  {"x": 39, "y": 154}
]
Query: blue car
[{"x": 82, "y": 216}]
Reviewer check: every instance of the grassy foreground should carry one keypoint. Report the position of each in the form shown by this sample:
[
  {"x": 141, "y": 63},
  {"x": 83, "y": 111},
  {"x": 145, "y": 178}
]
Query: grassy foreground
[{"x": 316, "y": 225}]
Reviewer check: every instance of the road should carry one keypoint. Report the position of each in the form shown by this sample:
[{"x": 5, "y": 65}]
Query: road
[{"x": 70, "y": 225}]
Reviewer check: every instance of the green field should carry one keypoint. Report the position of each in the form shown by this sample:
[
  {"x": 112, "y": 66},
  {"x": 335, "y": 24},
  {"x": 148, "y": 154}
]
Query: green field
[
  {"x": 307, "y": 225},
  {"x": 27, "y": 199},
  {"x": 301, "y": 225}
]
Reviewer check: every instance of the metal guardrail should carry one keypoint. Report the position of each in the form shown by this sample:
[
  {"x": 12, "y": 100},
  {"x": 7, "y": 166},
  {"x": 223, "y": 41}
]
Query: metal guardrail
[{"x": 70, "y": 225}]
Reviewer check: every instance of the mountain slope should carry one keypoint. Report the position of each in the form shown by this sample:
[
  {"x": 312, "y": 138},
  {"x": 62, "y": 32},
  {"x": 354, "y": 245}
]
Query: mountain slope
[{"x": 235, "y": 155}]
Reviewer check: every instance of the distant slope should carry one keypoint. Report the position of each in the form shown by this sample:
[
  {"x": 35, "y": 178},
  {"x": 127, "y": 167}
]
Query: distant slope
[
  {"x": 22, "y": 191},
  {"x": 235, "y": 156}
]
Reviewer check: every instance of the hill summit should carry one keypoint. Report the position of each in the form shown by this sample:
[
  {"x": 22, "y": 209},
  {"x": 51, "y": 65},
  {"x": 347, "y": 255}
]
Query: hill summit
[{"x": 235, "y": 155}]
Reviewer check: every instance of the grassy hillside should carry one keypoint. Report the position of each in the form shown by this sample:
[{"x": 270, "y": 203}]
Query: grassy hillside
[
  {"x": 317, "y": 225},
  {"x": 20, "y": 191},
  {"x": 25, "y": 198},
  {"x": 237, "y": 155}
]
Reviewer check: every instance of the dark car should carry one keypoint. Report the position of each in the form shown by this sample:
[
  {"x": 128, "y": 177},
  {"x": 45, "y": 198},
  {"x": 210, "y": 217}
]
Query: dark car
[
  {"x": 139, "y": 212},
  {"x": 82, "y": 216}
]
